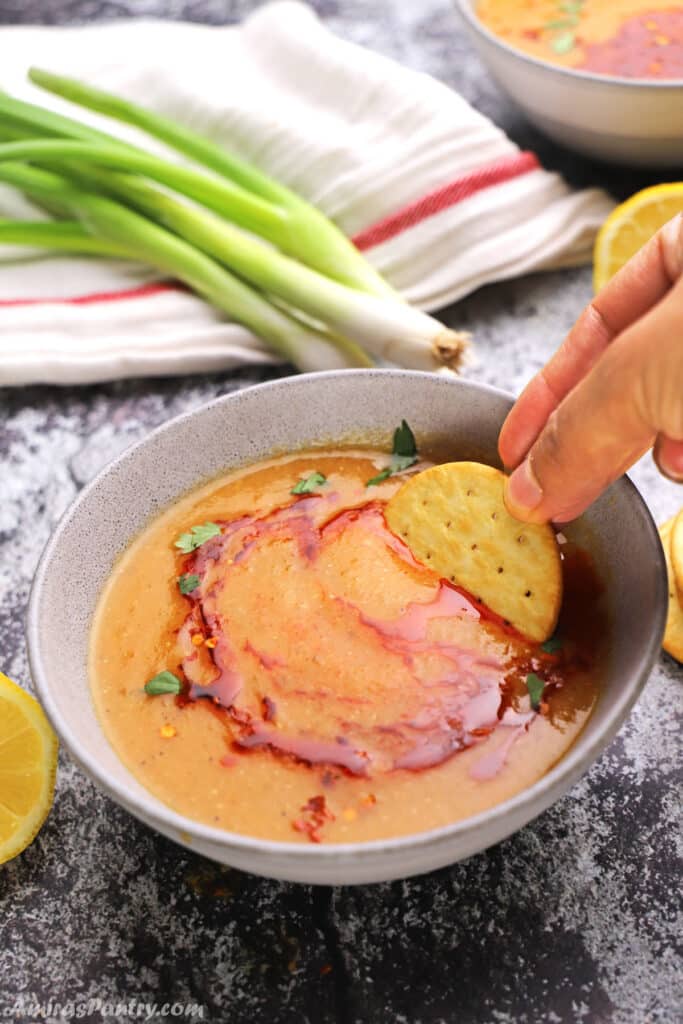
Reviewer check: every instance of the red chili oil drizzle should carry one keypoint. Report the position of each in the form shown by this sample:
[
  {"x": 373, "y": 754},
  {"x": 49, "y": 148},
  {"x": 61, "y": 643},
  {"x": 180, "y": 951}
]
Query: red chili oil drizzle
[
  {"x": 472, "y": 699},
  {"x": 647, "y": 45},
  {"x": 314, "y": 815}
]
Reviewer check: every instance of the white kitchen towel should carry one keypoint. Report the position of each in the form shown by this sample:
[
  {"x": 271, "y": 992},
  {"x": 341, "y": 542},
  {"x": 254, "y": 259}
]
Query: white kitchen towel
[{"x": 437, "y": 196}]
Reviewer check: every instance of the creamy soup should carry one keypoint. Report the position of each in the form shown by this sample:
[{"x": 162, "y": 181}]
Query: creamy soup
[
  {"x": 330, "y": 687},
  {"x": 627, "y": 38}
]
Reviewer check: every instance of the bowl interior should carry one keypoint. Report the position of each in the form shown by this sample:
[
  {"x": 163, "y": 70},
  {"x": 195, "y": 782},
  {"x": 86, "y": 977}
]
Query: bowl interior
[
  {"x": 468, "y": 9},
  {"x": 291, "y": 414},
  {"x": 637, "y": 121}
]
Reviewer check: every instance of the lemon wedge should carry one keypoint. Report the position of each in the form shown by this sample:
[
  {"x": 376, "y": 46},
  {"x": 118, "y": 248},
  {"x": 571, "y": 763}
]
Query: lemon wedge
[
  {"x": 28, "y": 764},
  {"x": 631, "y": 225}
]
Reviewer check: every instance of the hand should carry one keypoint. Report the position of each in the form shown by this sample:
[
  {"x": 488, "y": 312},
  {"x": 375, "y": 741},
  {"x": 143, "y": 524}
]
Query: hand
[{"x": 612, "y": 390}]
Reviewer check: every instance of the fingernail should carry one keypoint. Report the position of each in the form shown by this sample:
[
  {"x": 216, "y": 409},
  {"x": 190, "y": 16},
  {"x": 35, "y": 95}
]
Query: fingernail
[
  {"x": 523, "y": 492},
  {"x": 668, "y": 456},
  {"x": 674, "y": 474}
]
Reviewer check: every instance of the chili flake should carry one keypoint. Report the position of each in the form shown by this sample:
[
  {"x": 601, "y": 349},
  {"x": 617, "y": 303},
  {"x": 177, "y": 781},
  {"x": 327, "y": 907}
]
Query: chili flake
[{"x": 315, "y": 814}]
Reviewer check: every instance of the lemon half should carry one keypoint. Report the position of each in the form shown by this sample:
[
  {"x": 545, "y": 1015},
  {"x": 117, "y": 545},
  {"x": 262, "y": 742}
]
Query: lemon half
[
  {"x": 28, "y": 765},
  {"x": 631, "y": 225}
]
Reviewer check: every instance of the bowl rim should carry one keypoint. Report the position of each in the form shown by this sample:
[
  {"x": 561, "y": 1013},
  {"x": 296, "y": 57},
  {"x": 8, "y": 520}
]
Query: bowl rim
[
  {"x": 561, "y": 776},
  {"x": 466, "y": 8}
]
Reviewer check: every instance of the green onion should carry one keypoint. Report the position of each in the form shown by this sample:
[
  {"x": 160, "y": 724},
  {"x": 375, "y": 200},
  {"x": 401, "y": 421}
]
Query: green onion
[
  {"x": 247, "y": 244},
  {"x": 67, "y": 236},
  {"x": 224, "y": 197},
  {"x": 130, "y": 234},
  {"x": 322, "y": 244},
  {"x": 38, "y": 121},
  {"x": 387, "y": 329}
]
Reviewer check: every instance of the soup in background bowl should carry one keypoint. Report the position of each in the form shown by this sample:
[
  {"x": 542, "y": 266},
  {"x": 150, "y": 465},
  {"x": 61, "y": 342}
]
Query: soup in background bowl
[
  {"x": 156, "y": 489},
  {"x": 602, "y": 78},
  {"x": 622, "y": 38}
]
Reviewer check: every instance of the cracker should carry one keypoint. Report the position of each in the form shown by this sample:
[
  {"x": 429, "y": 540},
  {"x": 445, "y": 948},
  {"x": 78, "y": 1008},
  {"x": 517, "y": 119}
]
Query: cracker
[
  {"x": 454, "y": 520},
  {"x": 673, "y": 634},
  {"x": 677, "y": 552}
]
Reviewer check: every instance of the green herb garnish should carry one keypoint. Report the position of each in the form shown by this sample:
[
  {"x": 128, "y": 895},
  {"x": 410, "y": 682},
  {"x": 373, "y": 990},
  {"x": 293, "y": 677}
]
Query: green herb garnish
[
  {"x": 535, "y": 685},
  {"x": 552, "y": 644},
  {"x": 404, "y": 441},
  {"x": 197, "y": 536},
  {"x": 403, "y": 454},
  {"x": 187, "y": 583},
  {"x": 309, "y": 484},
  {"x": 561, "y": 23},
  {"x": 572, "y": 6},
  {"x": 564, "y": 43},
  {"x": 165, "y": 682},
  {"x": 380, "y": 478}
]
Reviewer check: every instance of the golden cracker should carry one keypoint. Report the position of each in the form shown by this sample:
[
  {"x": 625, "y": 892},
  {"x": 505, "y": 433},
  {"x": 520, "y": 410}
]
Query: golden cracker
[
  {"x": 454, "y": 520},
  {"x": 673, "y": 634}
]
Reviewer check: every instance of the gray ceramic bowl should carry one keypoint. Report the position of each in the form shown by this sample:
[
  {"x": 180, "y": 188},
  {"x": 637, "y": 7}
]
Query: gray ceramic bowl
[
  {"x": 623, "y": 120},
  {"x": 293, "y": 413}
]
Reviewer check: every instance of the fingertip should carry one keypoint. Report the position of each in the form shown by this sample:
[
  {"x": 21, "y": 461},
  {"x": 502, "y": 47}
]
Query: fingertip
[
  {"x": 523, "y": 493},
  {"x": 668, "y": 456},
  {"x": 672, "y": 246}
]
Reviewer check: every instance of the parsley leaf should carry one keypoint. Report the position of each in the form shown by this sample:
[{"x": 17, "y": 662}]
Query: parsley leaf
[
  {"x": 309, "y": 484},
  {"x": 197, "y": 536},
  {"x": 403, "y": 454},
  {"x": 569, "y": 22},
  {"x": 165, "y": 682},
  {"x": 187, "y": 583},
  {"x": 552, "y": 644},
  {"x": 404, "y": 441},
  {"x": 384, "y": 475},
  {"x": 564, "y": 43},
  {"x": 535, "y": 685}
]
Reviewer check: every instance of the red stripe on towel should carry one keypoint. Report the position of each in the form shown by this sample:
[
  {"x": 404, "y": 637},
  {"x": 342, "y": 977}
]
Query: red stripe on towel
[
  {"x": 447, "y": 195},
  {"x": 413, "y": 213},
  {"x": 143, "y": 291}
]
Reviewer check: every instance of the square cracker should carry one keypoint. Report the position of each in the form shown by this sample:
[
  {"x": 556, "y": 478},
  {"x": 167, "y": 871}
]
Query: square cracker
[
  {"x": 673, "y": 633},
  {"x": 454, "y": 520}
]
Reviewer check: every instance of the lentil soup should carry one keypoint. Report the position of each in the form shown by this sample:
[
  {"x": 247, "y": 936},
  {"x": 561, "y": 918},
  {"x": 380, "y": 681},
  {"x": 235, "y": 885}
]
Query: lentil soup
[
  {"x": 268, "y": 658},
  {"x": 626, "y": 38}
]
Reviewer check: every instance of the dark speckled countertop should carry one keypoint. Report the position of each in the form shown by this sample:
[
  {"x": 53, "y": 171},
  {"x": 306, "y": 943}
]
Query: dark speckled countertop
[{"x": 577, "y": 918}]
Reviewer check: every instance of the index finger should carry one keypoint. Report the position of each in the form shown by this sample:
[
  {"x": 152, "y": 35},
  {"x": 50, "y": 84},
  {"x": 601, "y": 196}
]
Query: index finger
[{"x": 636, "y": 288}]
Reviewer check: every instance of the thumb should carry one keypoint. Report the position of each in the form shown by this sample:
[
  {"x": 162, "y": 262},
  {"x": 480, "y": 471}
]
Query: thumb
[
  {"x": 633, "y": 393},
  {"x": 668, "y": 454}
]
